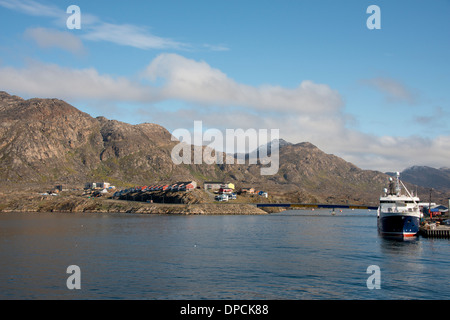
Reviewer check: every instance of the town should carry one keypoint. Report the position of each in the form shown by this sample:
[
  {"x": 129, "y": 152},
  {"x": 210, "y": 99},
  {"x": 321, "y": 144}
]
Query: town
[{"x": 170, "y": 193}]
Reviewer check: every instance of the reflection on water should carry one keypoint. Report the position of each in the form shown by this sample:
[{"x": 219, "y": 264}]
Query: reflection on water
[
  {"x": 398, "y": 246},
  {"x": 290, "y": 255},
  {"x": 417, "y": 267}
]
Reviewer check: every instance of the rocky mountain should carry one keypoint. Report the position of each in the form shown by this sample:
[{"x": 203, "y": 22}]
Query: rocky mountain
[
  {"x": 428, "y": 177},
  {"x": 265, "y": 149},
  {"x": 48, "y": 141},
  {"x": 42, "y": 140}
]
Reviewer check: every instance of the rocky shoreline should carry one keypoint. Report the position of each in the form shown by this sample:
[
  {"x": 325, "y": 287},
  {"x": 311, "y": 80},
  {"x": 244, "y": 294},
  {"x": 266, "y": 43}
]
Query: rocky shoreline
[{"x": 77, "y": 204}]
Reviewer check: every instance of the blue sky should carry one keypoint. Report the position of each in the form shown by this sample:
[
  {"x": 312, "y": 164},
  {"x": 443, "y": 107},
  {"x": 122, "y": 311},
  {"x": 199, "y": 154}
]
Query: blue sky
[{"x": 377, "y": 98}]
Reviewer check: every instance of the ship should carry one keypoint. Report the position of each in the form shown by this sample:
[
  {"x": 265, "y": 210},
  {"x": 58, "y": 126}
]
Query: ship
[{"x": 398, "y": 213}]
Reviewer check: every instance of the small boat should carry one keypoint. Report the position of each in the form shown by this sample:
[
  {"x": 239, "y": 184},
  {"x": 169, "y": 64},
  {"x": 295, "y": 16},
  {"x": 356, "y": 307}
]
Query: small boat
[{"x": 398, "y": 214}]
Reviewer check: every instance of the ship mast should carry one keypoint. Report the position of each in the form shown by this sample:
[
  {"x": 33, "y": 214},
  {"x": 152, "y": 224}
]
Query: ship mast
[
  {"x": 409, "y": 194},
  {"x": 397, "y": 187}
]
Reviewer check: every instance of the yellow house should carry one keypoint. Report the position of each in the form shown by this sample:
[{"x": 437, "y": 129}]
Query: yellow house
[{"x": 229, "y": 185}]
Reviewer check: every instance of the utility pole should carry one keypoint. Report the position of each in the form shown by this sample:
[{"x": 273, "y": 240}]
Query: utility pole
[{"x": 429, "y": 206}]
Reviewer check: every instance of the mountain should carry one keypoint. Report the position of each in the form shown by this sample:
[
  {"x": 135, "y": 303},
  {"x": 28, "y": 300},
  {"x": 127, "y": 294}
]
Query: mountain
[
  {"x": 428, "y": 177},
  {"x": 306, "y": 166},
  {"x": 265, "y": 149},
  {"x": 42, "y": 140},
  {"x": 48, "y": 141}
]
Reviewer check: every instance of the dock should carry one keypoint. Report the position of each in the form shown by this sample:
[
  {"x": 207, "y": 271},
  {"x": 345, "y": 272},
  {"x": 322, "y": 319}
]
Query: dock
[
  {"x": 315, "y": 205},
  {"x": 438, "y": 232}
]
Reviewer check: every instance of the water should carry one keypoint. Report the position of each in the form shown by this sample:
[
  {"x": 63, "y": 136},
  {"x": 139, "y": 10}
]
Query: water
[{"x": 293, "y": 255}]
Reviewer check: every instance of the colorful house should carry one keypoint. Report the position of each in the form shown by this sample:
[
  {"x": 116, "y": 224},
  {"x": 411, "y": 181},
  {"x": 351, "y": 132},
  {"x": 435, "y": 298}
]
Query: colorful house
[
  {"x": 228, "y": 185},
  {"x": 225, "y": 191},
  {"x": 248, "y": 190}
]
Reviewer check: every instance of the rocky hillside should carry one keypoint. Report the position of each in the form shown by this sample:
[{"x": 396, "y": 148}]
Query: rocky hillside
[
  {"x": 428, "y": 177},
  {"x": 50, "y": 141},
  {"x": 47, "y": 141}
]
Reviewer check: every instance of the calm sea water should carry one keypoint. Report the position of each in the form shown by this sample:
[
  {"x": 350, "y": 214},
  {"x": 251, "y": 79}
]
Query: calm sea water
[{"x": 294, "y": 255}]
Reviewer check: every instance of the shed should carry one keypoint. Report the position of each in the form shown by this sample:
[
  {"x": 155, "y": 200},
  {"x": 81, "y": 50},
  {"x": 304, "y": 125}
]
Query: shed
[{"x": 212, "y": 185}]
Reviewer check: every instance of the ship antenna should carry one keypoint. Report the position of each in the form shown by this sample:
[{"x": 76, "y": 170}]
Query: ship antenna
[{"x": 398, "y": 189}]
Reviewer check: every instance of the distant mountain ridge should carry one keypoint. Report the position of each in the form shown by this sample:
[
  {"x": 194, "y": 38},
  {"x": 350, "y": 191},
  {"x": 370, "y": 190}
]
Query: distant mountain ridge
[
  {"x": 427, "y": 177},
  {"x": 47, "y": 141}
]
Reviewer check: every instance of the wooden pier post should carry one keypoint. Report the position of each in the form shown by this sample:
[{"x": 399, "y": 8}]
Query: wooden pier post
[{"x": 440, "y": 232}]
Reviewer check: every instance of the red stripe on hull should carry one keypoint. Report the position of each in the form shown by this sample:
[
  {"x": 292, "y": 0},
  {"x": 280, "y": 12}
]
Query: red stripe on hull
[{"x": 398, "y": 234}]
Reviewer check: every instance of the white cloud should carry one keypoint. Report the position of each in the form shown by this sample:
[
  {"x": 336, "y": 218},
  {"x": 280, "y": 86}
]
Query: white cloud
[
  {"x": 94, "y": 29},
  {"x": 393, "y": 90},
  {"x": 49, "y": 80},
  {"x": 396, "y": 153},
  {"x": 216, "y": 47},
  {"x": 198, "y": 82},
  {"x": 33, "y": 8},
  {"x": 437, "y": 118},
  {"x": 50, "y": 38},
  {"x": 130, "y": 35},
  {"x": 310, "y": 112},
  {"x": 329, "y": 133}
]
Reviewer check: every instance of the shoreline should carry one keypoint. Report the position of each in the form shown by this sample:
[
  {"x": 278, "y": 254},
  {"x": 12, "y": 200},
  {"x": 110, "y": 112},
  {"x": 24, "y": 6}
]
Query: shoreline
[{"x": 77, "y": 204}]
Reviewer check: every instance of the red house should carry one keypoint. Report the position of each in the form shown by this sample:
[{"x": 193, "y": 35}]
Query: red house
[{"x": 225, "y": 191}]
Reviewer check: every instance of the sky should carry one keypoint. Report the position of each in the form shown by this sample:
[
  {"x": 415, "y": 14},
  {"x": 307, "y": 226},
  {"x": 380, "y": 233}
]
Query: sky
[{"x": 379, "y": 98}]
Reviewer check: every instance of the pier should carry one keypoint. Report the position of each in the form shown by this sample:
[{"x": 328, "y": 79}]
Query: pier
[{"x": 438, "y": 232}]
